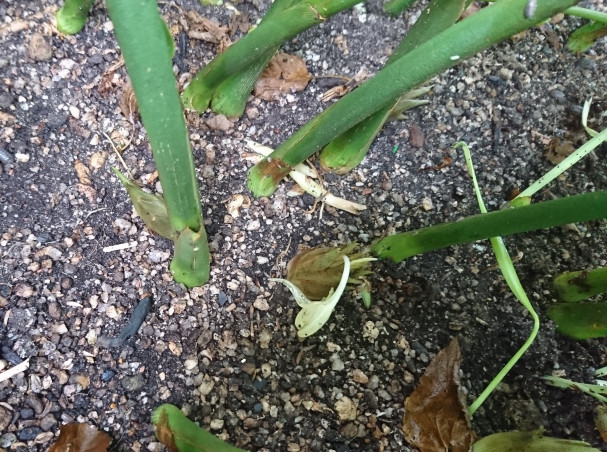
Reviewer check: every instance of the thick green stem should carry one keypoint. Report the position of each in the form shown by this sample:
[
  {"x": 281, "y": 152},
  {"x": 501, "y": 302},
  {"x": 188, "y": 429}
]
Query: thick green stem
[
  {"x": 585, "y": 207},
  {"x": 142, "y": 36},
  {"x": 460, "y": 41},
  {"x": 268, "y": 35},
  {"x": 72, "y": 15},
  {"x": 347, "y": 150}
]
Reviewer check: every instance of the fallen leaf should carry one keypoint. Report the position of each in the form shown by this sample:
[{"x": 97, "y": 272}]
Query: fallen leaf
[
  {"x": 88, "y": 191},
  {"x": 82, "y": 172},
  {"x": 75, "y": 437},
  {"x": 205, "y": 29},
  {"x": 600, "y": 420},
  {"x": 436, "y": 417},
  {"x": 285, "y": 74},
  {"x": 128, "y": 103},
  {"x": 558, "y": 150}
]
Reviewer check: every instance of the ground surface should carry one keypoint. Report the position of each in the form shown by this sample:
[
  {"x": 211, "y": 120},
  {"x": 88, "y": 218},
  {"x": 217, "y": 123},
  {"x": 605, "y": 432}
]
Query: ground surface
[{"x": 227, "y": 353}]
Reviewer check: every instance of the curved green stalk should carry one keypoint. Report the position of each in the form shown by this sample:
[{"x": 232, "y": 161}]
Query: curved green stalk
[
  {"x": 585, "y": 207},
  {"x": 71, "y": 17},
  {"x": 267, "y": 37},
  {"x": 509, "y": 273},
  {"x": 460, "y": 41},
  {"x": 585, "y": 13},
  {"x": 346, "y": 151},
  {"x": 141, "y": 33},
  {"x": 230, "y": 97}
]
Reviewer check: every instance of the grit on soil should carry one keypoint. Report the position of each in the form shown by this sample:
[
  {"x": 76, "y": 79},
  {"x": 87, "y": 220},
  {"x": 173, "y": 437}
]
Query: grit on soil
[{"x": 228, "y": 353}]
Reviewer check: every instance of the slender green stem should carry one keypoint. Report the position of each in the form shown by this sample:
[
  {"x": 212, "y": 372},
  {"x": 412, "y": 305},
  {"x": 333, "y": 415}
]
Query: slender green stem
[
  {"x": 509, "y": 273},
  {"x": 563, "y": 166},
  {"x": 347, "y": 150},
  {"x": 586, "y": 13},
  {"x": 460, "y": 41}
]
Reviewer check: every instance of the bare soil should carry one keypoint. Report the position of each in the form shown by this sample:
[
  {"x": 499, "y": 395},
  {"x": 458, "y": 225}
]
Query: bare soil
[{"x": 227, "y": 353}]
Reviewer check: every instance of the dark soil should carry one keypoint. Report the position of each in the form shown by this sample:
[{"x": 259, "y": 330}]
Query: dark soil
[{"x": 227, "y": 353}]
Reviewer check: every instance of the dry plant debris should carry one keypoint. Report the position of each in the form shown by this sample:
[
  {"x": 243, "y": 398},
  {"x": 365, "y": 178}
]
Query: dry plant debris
[
  {"x": 436, "y": 416},
  {"x": 285, "y": 74},
  {"x": 75, "y": 437}
]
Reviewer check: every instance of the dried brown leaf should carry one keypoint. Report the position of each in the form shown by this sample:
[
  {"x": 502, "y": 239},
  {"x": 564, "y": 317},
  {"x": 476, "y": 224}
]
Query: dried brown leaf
[
  {"x": 436, "y": 416},
  {"x": 83, "y": 172},
  {"x": 285, "y": 74},
  {"x": 128, "y": 103},
  {"x": 81, "y": 438},
  {"x": 558, "y": 150},
  {"x": 205, "y": 29},
  {"x": 88, "y": 191}
]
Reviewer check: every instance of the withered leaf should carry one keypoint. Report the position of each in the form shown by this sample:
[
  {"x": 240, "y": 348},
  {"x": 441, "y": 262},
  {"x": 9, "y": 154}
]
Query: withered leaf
[
  {"x": 81, "y": 438},
  {"x": 558, "y": 150},
  {"x": 205, "y": 29},
  {"x": 285, "y": 74},
  {"x": 83, "y": 172},
  {"x": 436, "y": 417},
  {"x": 128, "y": 103}
]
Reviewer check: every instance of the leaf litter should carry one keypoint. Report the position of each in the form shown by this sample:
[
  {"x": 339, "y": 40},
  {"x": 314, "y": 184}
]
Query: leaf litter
[{"x": 436, "y": 415}]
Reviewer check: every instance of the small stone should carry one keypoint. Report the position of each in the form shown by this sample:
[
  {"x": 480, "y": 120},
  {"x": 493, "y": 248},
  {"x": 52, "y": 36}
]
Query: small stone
[
  {"x": 337, "y": 364},
  {"x": 416, "y": 136},
  {"x": 359, "y": 377},
  {"x": 74, "y": 111},
  {"x": 7, "y": 440},
  {"x": 373, "y": 382},
  {"x": 222, "y": 298},
  {"x": 248, "y": 368},
  {"x": 34, "y": 402},
  {"x": 48, "y": 422},
  {"x": 54, "y": 310},
  {"x": 216, "y": 424},
  {"x": 133, "y": 383},
  {"x": 427, "y": 204},
  {"x": 253, "y": 225},
  {"x": 66, "y": 282},
  {"x": 107, "y": 375},
  {"x": 206, "y": 386},
  {"x": 28, "y": 433},
  {"x": 122, "y": 226},
  {"x": 346, "y": 409},
  {"x": 56, "y": 119},
  {"x": 39, "y": 49},
  {"x": 5, "y": 417},
  {"x": 261, "y": 303}
]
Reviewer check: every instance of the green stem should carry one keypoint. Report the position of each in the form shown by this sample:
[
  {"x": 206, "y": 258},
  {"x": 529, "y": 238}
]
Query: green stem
[
  {"x": 246, "y": 51},
  {"x": 460, "y": 41},
  {"x": 347, "y": 150},
  {"x": 72, "y": 15},
  {"x": 141, "y": 35},
  {"x": 585, "y": 207},
  {"x": 585, "y": 13},
  {"x": 511, "y": 277}
]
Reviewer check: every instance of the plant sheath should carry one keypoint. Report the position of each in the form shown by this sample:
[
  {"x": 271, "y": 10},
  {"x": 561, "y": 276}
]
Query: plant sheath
[
  {"x": 460, "y": 41},
  {"x": 142, "y": 36},
  {"x": 71, "y": 17},
  {"x": 584, "y": 207}
]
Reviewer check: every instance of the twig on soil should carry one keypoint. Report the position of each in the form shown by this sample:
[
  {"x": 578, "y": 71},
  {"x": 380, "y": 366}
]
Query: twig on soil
[{"x": 10, "y": 373}]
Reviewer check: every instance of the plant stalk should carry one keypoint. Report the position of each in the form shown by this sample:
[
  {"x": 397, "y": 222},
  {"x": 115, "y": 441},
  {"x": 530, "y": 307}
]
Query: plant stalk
[{"x": 460, "y": 41}]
